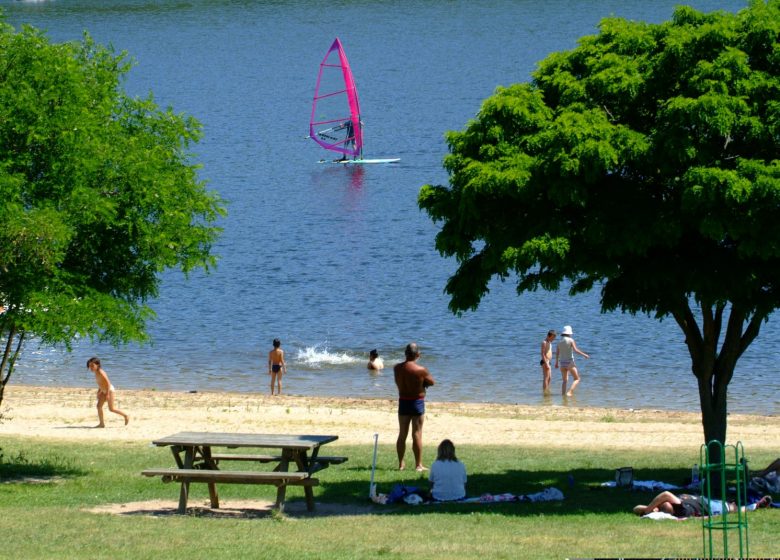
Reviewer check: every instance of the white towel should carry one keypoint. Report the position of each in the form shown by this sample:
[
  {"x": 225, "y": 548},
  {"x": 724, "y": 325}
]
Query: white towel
[{"x": 659, "y": 515}]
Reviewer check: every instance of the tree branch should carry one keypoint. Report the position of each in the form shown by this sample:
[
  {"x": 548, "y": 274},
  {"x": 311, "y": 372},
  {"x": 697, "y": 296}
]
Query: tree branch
[
  {"x": 7, "y": 354},
  {"x": 751, "y": 332},
  {"x": 687, "y": 322}
]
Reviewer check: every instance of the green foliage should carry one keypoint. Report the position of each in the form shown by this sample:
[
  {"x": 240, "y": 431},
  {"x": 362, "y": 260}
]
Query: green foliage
[
  {"x": 97, "y": 195},
  {"x": 648, "y": 153},
  {"x": 645, "y": 162}
]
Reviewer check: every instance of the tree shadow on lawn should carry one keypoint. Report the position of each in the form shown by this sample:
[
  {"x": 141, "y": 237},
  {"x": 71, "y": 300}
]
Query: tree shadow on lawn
[
  {"x": 20, "y": 469},
  {"x": 585, "y": 495},
  {"x": 350, "y": 497}
]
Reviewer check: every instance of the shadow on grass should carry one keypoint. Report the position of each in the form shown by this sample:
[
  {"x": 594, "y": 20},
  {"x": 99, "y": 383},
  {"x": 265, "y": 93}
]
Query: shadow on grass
[
  {"x": 21, "y": 469},
  {"x": 583, "y": 492},
  {"x": 336, "y": 498}
]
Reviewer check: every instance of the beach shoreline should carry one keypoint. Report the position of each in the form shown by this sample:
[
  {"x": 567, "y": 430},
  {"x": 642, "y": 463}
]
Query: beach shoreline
[{"x": 66, "y": 413}]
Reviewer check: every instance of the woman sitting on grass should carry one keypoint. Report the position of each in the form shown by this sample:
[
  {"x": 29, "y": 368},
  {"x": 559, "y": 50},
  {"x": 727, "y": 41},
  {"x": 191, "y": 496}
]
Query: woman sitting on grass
[{"x": 447, "y": 475}]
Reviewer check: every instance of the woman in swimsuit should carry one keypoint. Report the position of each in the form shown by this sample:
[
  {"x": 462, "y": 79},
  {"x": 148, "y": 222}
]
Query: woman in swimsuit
[
  {"x": 545, "y": 361},
  {"x": 276, "y": 366},
  {"x": 564, "y": 354}
]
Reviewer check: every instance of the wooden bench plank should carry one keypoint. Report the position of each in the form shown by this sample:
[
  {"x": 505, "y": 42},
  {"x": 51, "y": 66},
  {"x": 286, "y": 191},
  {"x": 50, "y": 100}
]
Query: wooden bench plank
[
  {"x": 217, "y": 457},
  {"x": 235, "y": 477},
  {"x": 279, "y": 479}
]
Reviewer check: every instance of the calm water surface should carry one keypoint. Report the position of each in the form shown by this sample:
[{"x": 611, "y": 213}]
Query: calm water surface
[{"x": 338, "y": 260}]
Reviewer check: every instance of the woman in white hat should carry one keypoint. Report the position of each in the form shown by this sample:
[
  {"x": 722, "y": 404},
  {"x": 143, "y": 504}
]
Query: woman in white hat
[{"x": 564, "y": 355}]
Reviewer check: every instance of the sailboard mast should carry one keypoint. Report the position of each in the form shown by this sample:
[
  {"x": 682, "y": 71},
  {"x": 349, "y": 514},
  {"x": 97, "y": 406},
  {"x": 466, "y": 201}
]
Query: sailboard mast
[{"x": 335, "y": 114}]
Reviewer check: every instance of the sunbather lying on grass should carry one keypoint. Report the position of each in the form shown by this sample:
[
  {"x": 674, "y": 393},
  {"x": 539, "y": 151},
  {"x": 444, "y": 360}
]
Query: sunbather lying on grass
[{"x": 687, "y": 505}]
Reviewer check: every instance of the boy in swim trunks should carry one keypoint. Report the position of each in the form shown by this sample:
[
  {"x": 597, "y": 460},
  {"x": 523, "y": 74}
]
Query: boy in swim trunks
[
  {"x": 276, "y": 366},
  {"x": 545, "y": 361},
  {"x": 412, "y": 380},
  {"x": 105, "y": 393}
]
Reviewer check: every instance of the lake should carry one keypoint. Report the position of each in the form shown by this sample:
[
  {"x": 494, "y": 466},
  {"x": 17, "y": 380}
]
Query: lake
[{"x": 337, "y": 260}]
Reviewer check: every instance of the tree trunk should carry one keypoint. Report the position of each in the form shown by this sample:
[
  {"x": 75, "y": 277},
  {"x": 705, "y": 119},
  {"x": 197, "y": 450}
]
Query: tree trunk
[
  {"x": 10, "y": 355},
  {"x": 713, "y": 410},
  {"x": 714, "y": 367}
]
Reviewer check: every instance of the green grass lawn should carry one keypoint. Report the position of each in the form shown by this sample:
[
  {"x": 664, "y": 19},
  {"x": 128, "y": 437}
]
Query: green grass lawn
[{"x": 47, "y": 487}]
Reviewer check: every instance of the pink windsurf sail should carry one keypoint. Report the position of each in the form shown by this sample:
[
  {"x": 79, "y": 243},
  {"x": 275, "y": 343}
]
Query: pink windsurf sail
[{"x": 335, "y": 114}]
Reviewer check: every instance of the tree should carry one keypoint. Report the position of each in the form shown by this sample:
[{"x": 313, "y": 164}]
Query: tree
[
  {"x": 644, "y": 163},
  {"x": 97, "y": 196}
]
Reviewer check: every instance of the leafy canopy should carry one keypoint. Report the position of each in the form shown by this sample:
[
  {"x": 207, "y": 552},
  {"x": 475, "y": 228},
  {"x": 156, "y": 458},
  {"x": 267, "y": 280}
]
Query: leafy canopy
[
  {"x": 97, "y": 193},
  {"x": 645, "y": 161}
]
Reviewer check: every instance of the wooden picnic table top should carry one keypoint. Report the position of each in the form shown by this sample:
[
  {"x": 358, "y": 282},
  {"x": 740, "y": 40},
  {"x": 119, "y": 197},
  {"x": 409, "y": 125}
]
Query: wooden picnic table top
[{"x": 217, "y": 439}]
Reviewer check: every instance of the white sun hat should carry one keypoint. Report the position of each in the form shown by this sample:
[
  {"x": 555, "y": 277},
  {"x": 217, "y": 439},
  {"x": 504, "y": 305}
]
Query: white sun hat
[{"x": 567, "y": 330}]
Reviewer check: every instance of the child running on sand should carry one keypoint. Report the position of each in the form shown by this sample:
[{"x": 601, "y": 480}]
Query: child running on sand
[
  {"x": 276, "y": 366},
  {"x": 105, "y": 393}
]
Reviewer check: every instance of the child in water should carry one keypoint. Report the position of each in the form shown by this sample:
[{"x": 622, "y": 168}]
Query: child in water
[
  {"x": 276, "y": 366},
  {"x": 374, "y": 361}
]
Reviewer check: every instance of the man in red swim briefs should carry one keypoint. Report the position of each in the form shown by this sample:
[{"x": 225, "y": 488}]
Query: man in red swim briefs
[{"x": 412, "y": 380}]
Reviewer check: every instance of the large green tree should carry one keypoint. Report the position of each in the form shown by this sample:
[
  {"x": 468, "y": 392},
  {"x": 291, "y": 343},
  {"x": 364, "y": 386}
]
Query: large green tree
[
  {"x": 98, "y": 195},
  {"x": 643, "y": 163}
]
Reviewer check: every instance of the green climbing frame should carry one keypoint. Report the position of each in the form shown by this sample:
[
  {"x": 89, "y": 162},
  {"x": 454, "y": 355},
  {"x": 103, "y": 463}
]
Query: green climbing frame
[{"x": 729, "y": 472}]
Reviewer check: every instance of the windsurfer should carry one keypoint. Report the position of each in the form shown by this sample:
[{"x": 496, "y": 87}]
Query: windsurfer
[{"x": 349, "y": 137}]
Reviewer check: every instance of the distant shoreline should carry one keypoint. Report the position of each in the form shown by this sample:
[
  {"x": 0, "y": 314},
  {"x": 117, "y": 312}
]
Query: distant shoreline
[{"x": 69, "y": 413}]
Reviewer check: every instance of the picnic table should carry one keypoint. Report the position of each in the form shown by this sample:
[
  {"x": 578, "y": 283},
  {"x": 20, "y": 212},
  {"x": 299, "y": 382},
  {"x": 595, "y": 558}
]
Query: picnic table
[{"x": 196, "y": 462}]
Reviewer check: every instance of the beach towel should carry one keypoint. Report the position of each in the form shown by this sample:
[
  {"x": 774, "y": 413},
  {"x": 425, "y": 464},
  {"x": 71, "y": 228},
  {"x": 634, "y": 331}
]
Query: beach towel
[
  {"x": 551, "y": 494},
  {"x": 660, "y": 515},
  {"x": 649, "y": 485},
  {"x": 413, "y": 496}
]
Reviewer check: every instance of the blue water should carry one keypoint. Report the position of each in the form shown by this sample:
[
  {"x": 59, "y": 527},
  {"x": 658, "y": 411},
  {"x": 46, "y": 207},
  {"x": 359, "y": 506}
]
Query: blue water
[{"x": 338, "y": 260}]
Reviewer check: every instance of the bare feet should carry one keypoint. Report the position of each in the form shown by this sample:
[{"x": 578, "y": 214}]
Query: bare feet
[
  {"x": 100, "y": 426},
  {"x": 401, "y": 466},
  {"x": 127, "y": 419},
  {"x": 420, "y": 468}
]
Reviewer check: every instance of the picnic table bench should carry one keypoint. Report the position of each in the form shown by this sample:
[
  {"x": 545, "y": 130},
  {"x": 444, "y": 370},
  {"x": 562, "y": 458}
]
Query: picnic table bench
[
  {"x": 315, "y": 464},
  {"x": 196, "y": 462}
]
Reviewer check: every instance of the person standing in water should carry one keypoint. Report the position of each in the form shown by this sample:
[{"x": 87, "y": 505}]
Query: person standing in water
[
  {"x": 105, "y": 393},
  {"x": 564, "y": 355},
  {"x": 545, "y": 361},
  {"x": 276, "y": 366}
]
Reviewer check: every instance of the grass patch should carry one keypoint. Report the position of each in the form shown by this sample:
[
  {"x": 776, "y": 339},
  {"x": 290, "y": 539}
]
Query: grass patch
[
  {"x": 23, "y": 467},
  {"x": 52, "y": 521}
]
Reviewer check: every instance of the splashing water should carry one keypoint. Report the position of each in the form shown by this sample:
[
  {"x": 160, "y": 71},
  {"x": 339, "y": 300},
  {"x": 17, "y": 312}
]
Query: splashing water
[{"x": 320, "y": 356}]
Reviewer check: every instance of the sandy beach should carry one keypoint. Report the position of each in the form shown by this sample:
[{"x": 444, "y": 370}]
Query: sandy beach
[{"x": 69, "y": 414}]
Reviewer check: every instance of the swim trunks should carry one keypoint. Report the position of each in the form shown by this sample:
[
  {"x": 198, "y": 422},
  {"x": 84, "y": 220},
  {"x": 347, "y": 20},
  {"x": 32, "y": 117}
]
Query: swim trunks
[
  {"x": 542, "y": 362},
  {"x": 566, "y": 364},
  {"x": 689, "y": 506},
  {"x": 276, "y": 368},
  {"x": 411, "y": 407}
]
